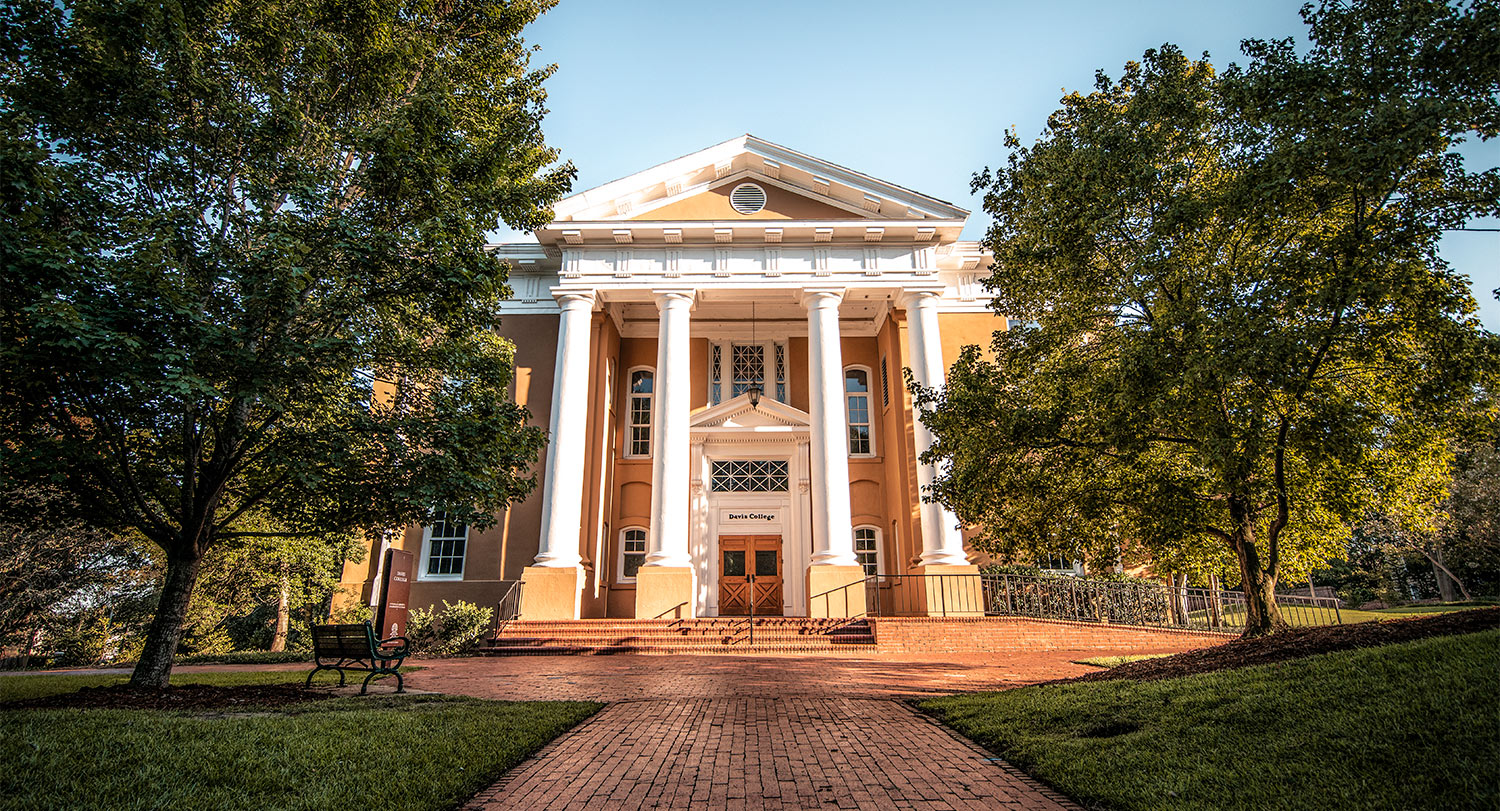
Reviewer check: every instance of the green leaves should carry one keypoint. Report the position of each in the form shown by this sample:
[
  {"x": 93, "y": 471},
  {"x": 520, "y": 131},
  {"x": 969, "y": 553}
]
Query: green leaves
[
  {"x": 221, "y": 215},
  {"x": 1244, "y": 336}
]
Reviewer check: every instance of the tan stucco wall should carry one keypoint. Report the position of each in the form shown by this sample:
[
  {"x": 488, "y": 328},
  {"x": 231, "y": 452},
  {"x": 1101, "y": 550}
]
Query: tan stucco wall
[{"x": 714, "y": 205}]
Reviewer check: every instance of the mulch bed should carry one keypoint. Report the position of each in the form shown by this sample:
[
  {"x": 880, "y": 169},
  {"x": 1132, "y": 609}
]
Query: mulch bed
[
  {"x": 1299, "y": 642},
  {"x": 177, "y": 697}
]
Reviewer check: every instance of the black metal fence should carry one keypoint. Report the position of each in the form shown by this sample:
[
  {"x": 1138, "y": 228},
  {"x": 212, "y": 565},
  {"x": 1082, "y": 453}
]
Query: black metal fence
[{"x": 1145, "y": 603}]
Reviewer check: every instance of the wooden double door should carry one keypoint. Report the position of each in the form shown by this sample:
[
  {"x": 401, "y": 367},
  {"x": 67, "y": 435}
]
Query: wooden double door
[{"x": 750, "y": 569}]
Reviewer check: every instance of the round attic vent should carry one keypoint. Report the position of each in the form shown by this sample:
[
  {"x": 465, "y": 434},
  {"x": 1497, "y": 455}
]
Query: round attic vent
[{"x": 747, "y": 198}]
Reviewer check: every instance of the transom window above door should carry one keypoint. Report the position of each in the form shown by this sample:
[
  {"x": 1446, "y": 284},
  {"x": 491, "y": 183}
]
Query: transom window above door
[
  {"x": 751, "y": 476},
  {"x": 733, "y": 367}
]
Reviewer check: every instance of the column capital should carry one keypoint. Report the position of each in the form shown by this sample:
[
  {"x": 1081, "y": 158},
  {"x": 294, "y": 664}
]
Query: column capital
[
  {"x": 668, "y": 298},
  {"x": 913, "y": 296},
  {"x": 820, "y": 296},
  {"x": 570, "y": 299}
]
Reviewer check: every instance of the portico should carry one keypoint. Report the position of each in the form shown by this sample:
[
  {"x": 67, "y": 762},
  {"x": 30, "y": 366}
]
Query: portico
[{"x": 646, "y": 315}]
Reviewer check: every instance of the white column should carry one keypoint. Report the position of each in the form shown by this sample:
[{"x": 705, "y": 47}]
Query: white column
[
  {"x": 833, "y": 533},
  {"x": 942, "y": 543},
  {"x": 562, "y": 508},
  {"x": 670, "y": 437}
]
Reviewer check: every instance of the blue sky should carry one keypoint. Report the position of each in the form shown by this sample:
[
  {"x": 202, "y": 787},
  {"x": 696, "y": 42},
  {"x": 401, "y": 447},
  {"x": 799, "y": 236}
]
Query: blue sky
[{"x": 916, "y": 93}]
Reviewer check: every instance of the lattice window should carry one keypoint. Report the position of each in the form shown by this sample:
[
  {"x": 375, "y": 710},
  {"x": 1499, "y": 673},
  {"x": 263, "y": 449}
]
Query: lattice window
[
  {"x": 867, "y": 549},
  {"x": 715, "y": 373},
  {"x": 632, "y": 552},
  {"x": 446, "y": 540},
  {"x": 748, "y": 366},
  {"x": 857, "y": 395},
  {"x": 642, "y": 385},
  {"x": 781, "y": 373},
  {"x": 751, "y": 476}
]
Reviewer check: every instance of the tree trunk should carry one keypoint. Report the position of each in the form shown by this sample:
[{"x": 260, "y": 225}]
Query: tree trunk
[
  {"x": 1262, "y": 615},
  {"x": 1215, "y": 604},
  {"x": 283, "y": 613},
  {"x": 1184, "y": 613},
  {"x": 155, "y": 667}
]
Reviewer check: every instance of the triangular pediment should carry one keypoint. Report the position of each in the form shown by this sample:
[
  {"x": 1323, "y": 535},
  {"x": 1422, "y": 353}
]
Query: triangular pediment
[
  {"x": 739, "y": 414},
  {"x": 798, "y": 187}
]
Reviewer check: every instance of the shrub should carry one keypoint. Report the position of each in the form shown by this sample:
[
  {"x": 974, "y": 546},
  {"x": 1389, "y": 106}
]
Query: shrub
[{"x": 458, "y": 628}]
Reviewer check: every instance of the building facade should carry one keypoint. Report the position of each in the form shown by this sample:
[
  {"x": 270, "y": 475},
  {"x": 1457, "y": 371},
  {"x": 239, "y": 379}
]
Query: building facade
[{"x": 717, "y": 346}]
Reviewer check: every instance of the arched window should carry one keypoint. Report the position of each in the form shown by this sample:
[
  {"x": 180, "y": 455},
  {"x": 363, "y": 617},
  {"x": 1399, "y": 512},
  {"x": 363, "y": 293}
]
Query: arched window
[
  {"x": 443, "y": 546},
  {"x": 632, "y": 553},
  {"x": 857, "y": 398},
  {"x": 867, "y": 549},
  {"x": 642, "y": 387}
]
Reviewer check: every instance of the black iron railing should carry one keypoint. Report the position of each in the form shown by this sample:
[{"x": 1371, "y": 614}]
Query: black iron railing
[
  {"x": 1144, "y": 603},
  {"x": 509, "y": 607}
]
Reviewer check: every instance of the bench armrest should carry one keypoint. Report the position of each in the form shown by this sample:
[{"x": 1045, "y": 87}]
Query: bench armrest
[{"x": 396, "y": 653}]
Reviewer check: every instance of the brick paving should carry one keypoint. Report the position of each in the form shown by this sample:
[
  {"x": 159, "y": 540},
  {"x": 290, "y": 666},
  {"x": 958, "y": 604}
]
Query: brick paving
[
  {"x": 757, "y": 732},
  {"x": 764, "y": 753}
]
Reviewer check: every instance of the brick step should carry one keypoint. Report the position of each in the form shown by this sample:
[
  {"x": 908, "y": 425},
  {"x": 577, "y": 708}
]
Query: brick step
[
  {"x": 804, "y": 641},
  {"x": 670, "y": 638},
  {"x": 686, "y": 627},
  {"x": 597, "y": 650}
]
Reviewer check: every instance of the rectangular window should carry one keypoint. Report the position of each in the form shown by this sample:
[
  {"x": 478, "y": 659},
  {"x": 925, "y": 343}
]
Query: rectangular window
[
  {"x": 780, "y": 373},
  {"x": 715, "y": 373},
  {"x": 867, "y": 549},
  {"x": 446, "y": 540},
  {"x": 642, "y": 384},
  {"x": 857, "y": 395},
  {"x": 748, "y": 365},
  {"x": 632, "y": 553},
  {"x": 751, "y": 476}
]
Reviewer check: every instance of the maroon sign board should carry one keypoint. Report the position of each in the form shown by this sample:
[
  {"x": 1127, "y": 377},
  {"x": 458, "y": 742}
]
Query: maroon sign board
[{"x": 395, "y": 591}]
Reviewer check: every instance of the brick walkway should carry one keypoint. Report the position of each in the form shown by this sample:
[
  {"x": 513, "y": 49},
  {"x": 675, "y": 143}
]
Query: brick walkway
[
  {"x": 756, "y": 732},
  {"x": 764, "y": 753}
]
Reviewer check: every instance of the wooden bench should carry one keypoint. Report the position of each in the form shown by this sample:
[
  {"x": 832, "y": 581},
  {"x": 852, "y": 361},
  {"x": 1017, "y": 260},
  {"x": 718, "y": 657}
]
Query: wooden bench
[{"x": 354, "y": 647}]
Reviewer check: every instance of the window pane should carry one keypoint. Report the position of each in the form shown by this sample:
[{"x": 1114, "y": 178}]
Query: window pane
[
  {"x": 640, "y": 382},
  {"x": 734, "y": 563},
  {"x": 765, "y": 563},
  {"x": 855, "y": 380},
  {"x": 632, "y": 565}
]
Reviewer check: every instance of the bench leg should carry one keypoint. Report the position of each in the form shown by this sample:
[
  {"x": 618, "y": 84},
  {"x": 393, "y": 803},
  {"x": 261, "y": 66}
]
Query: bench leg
[
  {"x": 314, "y": 672},
  {"x": 400, "y": 683}
]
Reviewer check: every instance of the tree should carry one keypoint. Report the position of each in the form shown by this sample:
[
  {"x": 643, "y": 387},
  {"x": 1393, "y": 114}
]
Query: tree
[
  {"x": 1234, "y": 322},
  {"x": 52, "y": 562},
  {"x": 245, "y": 269}
]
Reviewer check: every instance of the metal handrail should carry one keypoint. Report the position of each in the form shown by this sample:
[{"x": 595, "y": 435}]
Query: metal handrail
[{"x": 509, "y": 607}]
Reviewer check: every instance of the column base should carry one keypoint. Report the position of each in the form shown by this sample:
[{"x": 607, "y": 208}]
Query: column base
[
  {"x": 549, "y": 593},
  {"x": 836, "y": 591},
  {"x": 664, "y": 592},
  {"x": 946, "y": 591}
]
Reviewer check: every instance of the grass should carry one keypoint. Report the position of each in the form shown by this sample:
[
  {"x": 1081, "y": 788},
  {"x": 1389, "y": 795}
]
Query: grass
[
  {"x": 14, "y": 688},
  {"x": 416, "y": 752},
  {"x": 1115, "y": 661},
  {"x": 1412, "y": 725}
]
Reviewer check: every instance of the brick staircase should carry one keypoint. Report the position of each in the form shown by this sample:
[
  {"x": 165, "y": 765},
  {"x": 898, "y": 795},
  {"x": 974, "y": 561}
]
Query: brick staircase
[{"x": 719, "y": 635}]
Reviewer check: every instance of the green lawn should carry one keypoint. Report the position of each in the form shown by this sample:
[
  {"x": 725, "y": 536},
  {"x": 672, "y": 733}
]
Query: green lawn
[
  {"x": 1116, "y": 661},
  {"x": 1414, "y": 725},
  {"x": 409, "y": 752}
]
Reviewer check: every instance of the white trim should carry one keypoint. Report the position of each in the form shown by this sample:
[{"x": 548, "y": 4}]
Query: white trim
[
  {"x": 869, "y": 395},
  {"x": 630, "y": 426},
  {"x": 620, "y": 578},
  {"x": 422, "y": 574}
]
